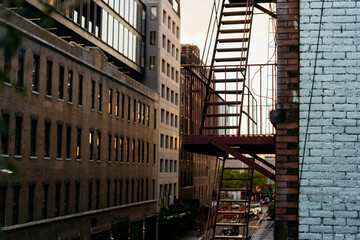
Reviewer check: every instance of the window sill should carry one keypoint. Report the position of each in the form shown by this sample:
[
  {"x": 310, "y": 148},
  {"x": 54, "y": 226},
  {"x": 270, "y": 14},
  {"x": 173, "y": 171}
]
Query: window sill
[
  {"x": 67, "y": 159},
  {"x": 80, "y": 106},
  {"x": 60, "y": 100},
  {"x": 7, "y": 84},
  {"x": 98, "y": 161},
  {"x": 5, "y": 155},
  {"x": 92, "y": 109},
  {"x": 109, "y": 162},
  {"x": 18, "y": 156},
  {"x": 59, "y": 159},
  {"x": 70, "y": 103},
  {"x": 78, "y": 160},
  {"x": 33, "y": 157},
  {"x": 48, "y": 96},
  {"x": 35, "y": 92},
  {"x": 46, "y": 158}
]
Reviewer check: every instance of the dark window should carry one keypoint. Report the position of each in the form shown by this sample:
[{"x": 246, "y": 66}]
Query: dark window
[
  {"x": 20, "y": 73},
  {"x": 115, "y": 192},
  {"x": 143, "y": 114},
  {"x": 92, "y": 94},
  {"x": 70, "y": 85},
  {"x": 154, "y": 154},
  {"x": 78, "y": 144},
  {"x": 152, "y": 63},
  {"x": 147, "y": 190},
  {"x": 132, "y": 191},
  {"x": 59, "y": 141},
  {"x": 147, "y": 152},
  {"x": 44, "y": 205},
  {"x": 139, "y": 112},
  {"x": 49, "y": 66},
  {"x": 61, "y": 82},
  {"x": 68, "y": 141},
  {"x": 47, "y": 140},
  {"x": 15, "y": 206},
  {"x": 134, "y": 111},
  {"x": 120, "y": 192},
  {"x": 77, "y": 197},
  {"x": 2, "y": 205},
  {"x": 31, "y": 202},
  {"x": 98, "y": 145},
  {"x": 155, "y": 118},
  {"x": 5, "y": 122},
  {"x": 117, "y": 112},
  {"x": 110, "y": 101},
  {"x": 161, "y": 140},
  {"x": 127, "y": 192},
  {"x": 100, "y": 97},
  {"x": 139, "y": 151},
  {"x": 109, "y": 148},
  {"x": 66, "y": 200},
  {"x": 129, "y": 108},
  {"x": 127, "y": 147},
  {"x": 90, "y": 195},
  {"x": 152, "y": 38},
  {"x": 7, "y": 66},
  {"x": 142, "y": 190},
  {"x": 142, "y": 151},
  {"x": 80, "y": 97},
  {"x": 18, "y": 135},
  {"x": 154, "y": 190},
  {"x": 121, "y": 148},
  {"x": 33, "y": 131},
  {"x": 148, "y": 115},
  {"x": 35, "y": 77},
  {"x": 138, "y": 191},
  {"x": 57, "y": 199},
  {"x": 122, "y": 105},
  {"x": 133, "y": 150},
  {"x": 108, "y": 193},
  {"x": 97, "y": 195},
  {"x": 91, "y": 144}
]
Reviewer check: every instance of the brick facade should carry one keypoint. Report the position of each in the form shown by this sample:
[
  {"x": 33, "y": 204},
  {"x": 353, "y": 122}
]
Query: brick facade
[
  {"x": 287, "y": 132},
  {"x": 329, "y": 192}
]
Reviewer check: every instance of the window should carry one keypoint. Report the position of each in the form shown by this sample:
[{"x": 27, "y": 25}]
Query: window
[
  {"x": 172, "y": 95},
  {"x": 77, "y": 196},
  {"x": 70, "y": 86},
  {"x": 168, "y": 94},
  {"x": 162, "y": 115},
  {"x": 168, "y": 70},
  {"x": 167, "y": 118},
  {"x": 7, "y": 66},
  {"x": 152, "y": 63},
  {"x": 59, "y": 140},
  {"x": 110, "y": 101},
  {"x": 155, "y": 123},
  {"x": 154, "y": 154},
  {"x": 33, "y": 137},
  {"x": 153, "y": 13},
  {"x": 172, "y": 73},
  {"x": 168, "y": 46},
  {"x": 120, "y": 192},
  {"x": 68, "y": 141},
  {"x": 176, "y": 121},
  {"x": 109, "y": 147},
  {"x": 57, "y": 199},
  {"x": 142, "y": 190},
  {"x": 98, "y": 146},
  {"x": 66, "y": 200},
  {"x": 78, "y": 144},
  {"x": 139, "y": 112},
  {"x": 164, "y": 16},
  {"x": 172, "y": 120},
  {"x": 171, "y": 142},
  {"x": 133, "y": 150},
  {"x": 139, "y": 151},
  {"x": 163, "y": 66},
  {"x": 116, "y": 148},
  {"x": 162, "y": 140},
  {"x": 147, "y": 153},
  {"x": 97, "y": 203},
  {"x": 173, "y": 50},
  {"x": 164, "y": 41},
  {"x": 100, "y": 97},
  {"x": 142, "y": 151},
  {"x": 161, "y": 165},
  {"x": 122, "y": 106},
  {"x": 121, "y": 148},
  {"x": 129, "y": 108},
  {"x": 115, "y": 191},
  {"x": 169, "y": 22},
  {"x": 134, "y": 111},
  {"x": 31, "y": 202},
  {"x": 143, "y": 114},
  {"x": 176, "y": 99},
  {"x": 20, "y": 73},
  {"x": 127, "y": 148},
  {"x": 61, "y": 82},
  {"x": 127, "y": 192},
  {"x": 117, "y": 112},
  {"x": 47, "y": 140},
  {"x": 92, "y": 94},
  {"x": 175, "y": 167},
  {"x": 80, "y": 96},
  {"x": 173, "y": 27},
  {"x": 49, "y": 66},
  {"x": 15, "y": 206},
  {"x": 138, "y": 191},
  {"x": 162, "y": 90},
  {"x": 91, "y": 144},
  {"x": 152, "y": 38},
  {"x": 35, "y": 70},
  {"x": 44, "y": 205},
  {"x": 5, "y": 134},
  {"x": 90, "y": 190},
  {"x": 108, "y": 193},
  {"x": 147, "y": 190},
  {"x": 132, "y": 191},
  {"x": 171, "y": 166},
  {"x": 18, "y": 135},
  {"x": 175, "y": 145},
  {"x": 177, "y": 58},
  {"x": 177, "y": 32},
  {"x": 167, "y": 141}
]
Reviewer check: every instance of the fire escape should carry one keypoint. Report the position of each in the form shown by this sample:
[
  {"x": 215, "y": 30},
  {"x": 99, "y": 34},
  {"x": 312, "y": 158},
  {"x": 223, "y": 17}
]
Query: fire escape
[{"x": 229, "y": 126}]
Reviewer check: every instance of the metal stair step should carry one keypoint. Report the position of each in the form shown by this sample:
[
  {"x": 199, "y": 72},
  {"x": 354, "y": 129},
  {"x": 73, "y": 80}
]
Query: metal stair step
[
  {"x": 233, "y": 201},
  {"x": 230, "y": 22},
  {"x": 230, "y": 80},
  {"x": 233, "y": 40},
  {"x": 234, "y": 190},
  {"x": 232, "y": 212},
  {"x": 234, "y": 30},
  {"x": 221, "y": 127},
  {"x": 235, "y": 5},
  {"x": 223, "y": 103},
  {"x": 222, "y": 114},
  {"x": 229, "y": 69},
  {"x": 231, "y": 49},
  {"x": 230, "y": 224},
  {"x": 227, "y": 91},
  {"x": 237, "y": 13},
  {"x": 228, "y": 237},
  {"x": 230, "y": 59}
]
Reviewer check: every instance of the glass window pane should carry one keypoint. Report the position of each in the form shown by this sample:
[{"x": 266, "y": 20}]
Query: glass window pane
[
  {"x": 116, "y": 34},
  {"x": 110, "y": 30},
  {"x": 126, "y": 40},
  {"x": 116, "y": 7},
  {"x": 130, "y": 45},
  {"x": 122, "y": 8},
  {"x": 121, "y": 38},
  {"x": 104, "y": 26},
  {"x": 127, "y": 10},
  {"x": 153, "y": 13}
]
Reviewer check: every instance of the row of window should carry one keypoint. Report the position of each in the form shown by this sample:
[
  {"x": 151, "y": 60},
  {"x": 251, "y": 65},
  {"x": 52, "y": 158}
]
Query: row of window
[
  {"x": 167, "y": 190},
  {"x": 119, "y": 148},
  {"x": 167, "y": 141},
  {"x": 170, "y": 71},
  {"x": 170, "y": 47},
  {"x": 171, "y": 24},
  {"x": 169, "y": 95},
  {"x": 169, "y": 119},
  {"x": 168, "y": 165},
  {"x": 139, "y": 112},
  {"x": 69, "y": 198}
]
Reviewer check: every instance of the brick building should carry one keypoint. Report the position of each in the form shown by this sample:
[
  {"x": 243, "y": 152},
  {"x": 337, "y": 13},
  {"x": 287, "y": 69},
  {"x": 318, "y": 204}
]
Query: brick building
[{"x": 83, "y": 136}]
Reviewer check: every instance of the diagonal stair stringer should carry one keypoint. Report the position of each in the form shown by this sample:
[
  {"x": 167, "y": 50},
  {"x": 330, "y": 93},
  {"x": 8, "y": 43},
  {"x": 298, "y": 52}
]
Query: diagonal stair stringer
[{"x": 217, "y": 143}]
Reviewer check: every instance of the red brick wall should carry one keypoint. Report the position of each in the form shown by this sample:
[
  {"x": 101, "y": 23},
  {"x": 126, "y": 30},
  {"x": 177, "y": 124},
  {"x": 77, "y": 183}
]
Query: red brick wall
[{"x": 287, "y": 140}]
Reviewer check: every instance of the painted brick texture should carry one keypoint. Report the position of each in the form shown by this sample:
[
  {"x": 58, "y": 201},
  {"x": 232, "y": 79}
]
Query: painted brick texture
[
  {"x": 287, "y": 152},
  {"x": 329, "y": 201}
]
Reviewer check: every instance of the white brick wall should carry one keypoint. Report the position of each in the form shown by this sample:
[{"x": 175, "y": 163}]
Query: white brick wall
[{"x": 330, "y": 189}]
